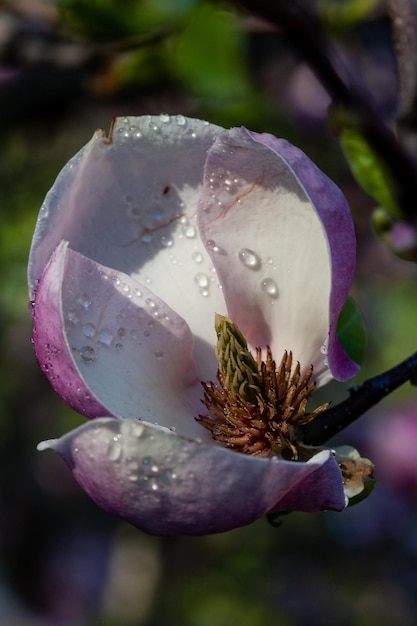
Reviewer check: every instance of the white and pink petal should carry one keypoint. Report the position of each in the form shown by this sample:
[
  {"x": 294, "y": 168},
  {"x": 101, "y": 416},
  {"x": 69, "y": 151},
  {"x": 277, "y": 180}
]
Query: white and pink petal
[
  {"x": 109, "y": 346},
  {"x": 282, "y": 241},
  {"x": 168, "y": 485},
  {"x": 129, "y": 201}
]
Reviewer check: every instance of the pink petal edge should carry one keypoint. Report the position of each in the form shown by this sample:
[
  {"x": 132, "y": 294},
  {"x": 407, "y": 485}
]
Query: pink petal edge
[{"x": 168, "y": 485}]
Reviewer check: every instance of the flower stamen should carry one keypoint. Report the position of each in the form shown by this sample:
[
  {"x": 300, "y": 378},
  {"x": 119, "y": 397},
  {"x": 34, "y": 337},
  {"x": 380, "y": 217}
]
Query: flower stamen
[{"x": 256, "y": 406}]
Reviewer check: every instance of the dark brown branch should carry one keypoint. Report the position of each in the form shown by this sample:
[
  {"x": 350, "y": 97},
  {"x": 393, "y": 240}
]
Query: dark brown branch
[
  {"x": 362, "y": 398},
  {"x": 305, "y": 35}
]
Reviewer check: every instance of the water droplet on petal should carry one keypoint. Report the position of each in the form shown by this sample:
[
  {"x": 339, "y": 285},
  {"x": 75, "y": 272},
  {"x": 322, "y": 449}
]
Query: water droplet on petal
[
  {"x": 88, "y": 354},
  {"x": 105, "y": 337},
  {"x": 167, "y": 242},
  {"x": 146, "y": 238},
  {"x": 151, "y": 304},
  {"x": 269, "y": 287},
  {"x": 211, "y": 245},
  {"x": 84, "y": 301},
  {"x": 89, "y": 330},
  {"x": 202, "y": 280},
  {"x": 136, "y": 429},
  {"x": 73, "y": 317},
  {"x": 197, "y": 257},
  {"x": 114, "y": 451},
  {"x": 159, "y": 354},
  {"x": 181, "y": 121},
  {"x": 249, "y": 258},
  {"x": 324, "y": 347},
  {"x": 190, "y": 231},
  {"x": 165, "y": 118}
]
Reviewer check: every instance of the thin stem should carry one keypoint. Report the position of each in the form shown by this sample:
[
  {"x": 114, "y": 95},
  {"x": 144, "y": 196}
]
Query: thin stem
[{"x": 362, "y": 398}]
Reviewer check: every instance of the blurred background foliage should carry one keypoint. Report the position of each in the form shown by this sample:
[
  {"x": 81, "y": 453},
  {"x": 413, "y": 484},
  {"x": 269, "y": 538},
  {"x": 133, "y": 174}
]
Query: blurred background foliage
[{"x": 68, "y": 67}]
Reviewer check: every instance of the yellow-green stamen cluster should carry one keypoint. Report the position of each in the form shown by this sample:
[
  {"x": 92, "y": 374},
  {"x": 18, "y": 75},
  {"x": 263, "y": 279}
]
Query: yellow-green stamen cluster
[{"x": 256, "y": 406}]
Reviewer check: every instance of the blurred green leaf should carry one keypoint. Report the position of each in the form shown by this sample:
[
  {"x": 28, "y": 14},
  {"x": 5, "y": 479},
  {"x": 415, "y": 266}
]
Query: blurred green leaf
[
  {"x": 209, "y": 54},
  {"x": 369, "y": 170},
  {"x": 111, "y": 20},
  {"x": 351, "y": 331},
  {"x": 341, "y": 13}
]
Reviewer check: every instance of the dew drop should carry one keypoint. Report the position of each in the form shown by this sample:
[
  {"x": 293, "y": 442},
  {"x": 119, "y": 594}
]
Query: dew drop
[
  {"x": 197, "y": 257},
  {"x": 134, "y": 212},
  {"x": 73, "y": 317},
  {"x": 324, "y": 346},
  {"x": 202, "y": 280},
  {"x": 114, "y": 451},
  {"x": 118, "y": 346},
  {"x": 159, "y": 354},
  {"x": 105, "y": 337},
  {"x": 190, "y": 231},
  {"x": 165, "y": 118},
  {"x": 167, "y": 242},
  {"x": 88, "y": 354},
  {"x": 136, "y": 430},
  {"x": 181, "y": 121},
  {"x": 269, "y": 287},
  {"x": 151, "y": 304},
  {"x": 89, "y": 330},
  {"x": 84, "y": 301},
  {"x": 121, "y": 331},
  {"x": 249, "y": 258},
  {"x": 146, "y": 238},
  {"x": 211, "y": 245}
]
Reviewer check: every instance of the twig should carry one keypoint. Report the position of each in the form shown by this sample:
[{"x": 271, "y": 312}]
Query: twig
[
  {"x": 304, "y": 33},
  {"x": 362, "y": 398}
]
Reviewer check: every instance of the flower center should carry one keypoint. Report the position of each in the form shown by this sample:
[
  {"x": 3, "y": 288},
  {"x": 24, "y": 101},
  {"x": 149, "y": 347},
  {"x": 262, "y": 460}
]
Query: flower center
[{"x": 256, "y": 406}]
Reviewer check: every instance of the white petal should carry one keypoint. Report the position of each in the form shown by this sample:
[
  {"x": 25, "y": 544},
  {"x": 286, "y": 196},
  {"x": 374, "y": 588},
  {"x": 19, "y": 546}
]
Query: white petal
[
  {"x": 100, "y": 334},
  {"x": 129, "y": 202}
]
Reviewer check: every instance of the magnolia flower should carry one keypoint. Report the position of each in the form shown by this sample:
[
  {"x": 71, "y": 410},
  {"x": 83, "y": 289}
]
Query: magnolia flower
[{"x": 146, "y": 236}]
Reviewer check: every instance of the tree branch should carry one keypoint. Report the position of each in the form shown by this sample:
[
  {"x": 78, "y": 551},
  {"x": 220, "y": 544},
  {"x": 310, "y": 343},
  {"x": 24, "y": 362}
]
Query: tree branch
[
  {"x": 362, "y": 398},
  {"x": 305, "y": 35}
]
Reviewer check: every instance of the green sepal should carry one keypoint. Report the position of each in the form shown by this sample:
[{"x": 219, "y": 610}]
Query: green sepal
[{"x": 351, "y": 331}]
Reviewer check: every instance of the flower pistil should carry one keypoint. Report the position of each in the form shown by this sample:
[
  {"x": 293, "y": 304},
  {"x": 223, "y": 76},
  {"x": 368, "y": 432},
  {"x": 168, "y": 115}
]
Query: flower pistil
[{"x": 256, "y": 406}]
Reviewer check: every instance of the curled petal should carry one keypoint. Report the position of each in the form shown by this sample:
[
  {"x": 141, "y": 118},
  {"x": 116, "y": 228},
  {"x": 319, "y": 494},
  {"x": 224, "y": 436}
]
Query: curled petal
[
  {"x": 168, "y": 485},
  {"x": 109, "y": 346},
  {"x": 286, "y": 273},
  {"x": 129, "y": 201}
]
